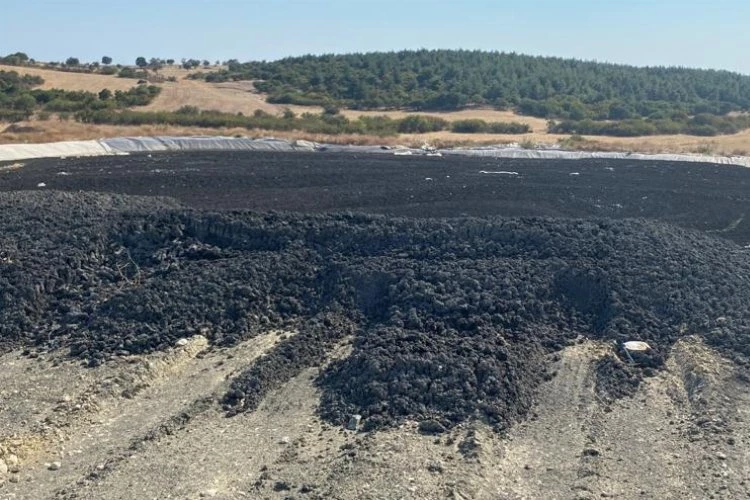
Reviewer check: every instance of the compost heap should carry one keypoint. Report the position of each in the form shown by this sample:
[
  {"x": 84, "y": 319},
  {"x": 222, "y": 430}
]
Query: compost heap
[{"x": 449, "y": 318}]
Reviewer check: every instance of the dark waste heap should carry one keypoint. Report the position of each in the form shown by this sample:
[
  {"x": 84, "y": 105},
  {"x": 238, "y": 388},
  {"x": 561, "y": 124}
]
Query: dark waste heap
[{"x": 450, "y": 319}]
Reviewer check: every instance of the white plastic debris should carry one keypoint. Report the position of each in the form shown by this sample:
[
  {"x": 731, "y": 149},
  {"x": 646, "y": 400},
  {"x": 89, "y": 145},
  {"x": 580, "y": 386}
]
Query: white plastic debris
[{"x": 636, "y": 346}]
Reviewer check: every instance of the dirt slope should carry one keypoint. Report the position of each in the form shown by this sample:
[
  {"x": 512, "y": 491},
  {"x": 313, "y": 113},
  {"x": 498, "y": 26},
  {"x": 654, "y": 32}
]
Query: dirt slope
[{"x": 145, "y": 427}]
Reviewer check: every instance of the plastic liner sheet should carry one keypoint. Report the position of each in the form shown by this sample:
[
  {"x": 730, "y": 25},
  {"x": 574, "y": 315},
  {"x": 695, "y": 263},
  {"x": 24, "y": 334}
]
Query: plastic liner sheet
[
  {"x": 13, "y": 152},
  {"x": 207, "y": 143},
  {"x": 128, "y": 145}
]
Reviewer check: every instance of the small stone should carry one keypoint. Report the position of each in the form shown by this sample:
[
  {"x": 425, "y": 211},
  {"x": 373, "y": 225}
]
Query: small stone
[
  {"x": 721, "y": 456},
  {"x": 353, "y": 423},
  {"x": 209, "y": 493},
  {"x": 284, "y": 440},
  {"x": 3, "y": 467},
  {"x": 435, "y": 467},
  {"x": 431, "y": 427},
  {"x": 181, "y": 343},
  {"x": 14, "y": 469},
  {"x": 14, "y": 479},
  {"x": 54, "y": 466},
  {"x": 11, "y": 460}
]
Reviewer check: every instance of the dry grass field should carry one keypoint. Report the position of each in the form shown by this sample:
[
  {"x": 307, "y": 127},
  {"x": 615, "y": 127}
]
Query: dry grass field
[{"x": 234, "y": 97}]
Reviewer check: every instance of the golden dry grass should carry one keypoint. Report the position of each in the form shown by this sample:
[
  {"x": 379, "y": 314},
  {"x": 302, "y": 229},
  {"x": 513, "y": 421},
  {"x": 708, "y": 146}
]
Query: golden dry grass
[
  {"x": 234, "y": 97},
  {"x": 74, "y": 81}
]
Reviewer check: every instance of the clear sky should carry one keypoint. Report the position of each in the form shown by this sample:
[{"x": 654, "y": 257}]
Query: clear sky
[{"x": 695, "y": 33}]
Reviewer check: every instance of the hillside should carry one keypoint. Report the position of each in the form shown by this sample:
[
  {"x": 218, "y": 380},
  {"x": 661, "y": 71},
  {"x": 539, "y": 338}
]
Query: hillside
[
  {"x": 454, "y": 79},
  {"x": 219, "y": 104}
]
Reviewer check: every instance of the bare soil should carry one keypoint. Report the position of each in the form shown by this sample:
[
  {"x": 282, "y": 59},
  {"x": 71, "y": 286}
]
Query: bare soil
[{"x": 684, "y": 434}]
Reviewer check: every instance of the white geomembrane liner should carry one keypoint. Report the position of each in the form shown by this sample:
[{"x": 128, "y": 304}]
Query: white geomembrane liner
[
  {"x": 126, "y": 145},
  {"x": 13, "y": 152}
]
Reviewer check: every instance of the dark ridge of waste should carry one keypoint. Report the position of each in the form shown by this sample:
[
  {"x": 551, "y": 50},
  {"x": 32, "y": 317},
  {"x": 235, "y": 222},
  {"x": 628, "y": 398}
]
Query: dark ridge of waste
[{"x": 452, "y": 319}]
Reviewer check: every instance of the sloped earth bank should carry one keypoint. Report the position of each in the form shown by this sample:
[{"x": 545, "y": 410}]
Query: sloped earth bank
[{"x": 441, "y": 333}]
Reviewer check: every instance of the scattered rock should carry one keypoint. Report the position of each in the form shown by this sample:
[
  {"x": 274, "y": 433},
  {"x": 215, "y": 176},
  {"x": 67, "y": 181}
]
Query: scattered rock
[
  {"x": 208, "y": 493},
  {"x": 3, "y": 467},
  {"x": 14, "y": 478},
  {"x": 284, "y": 440},
  {"x": 721, "y": 456},
  {"x": 281, "y": 486},
  {"x": 182, "y": 342},
  {"x": 431, "y": 427},
  {"x": 12, "y": 460},
  {"x": 54, "y": 466},
  {"x": 435, "y": 467},
  {"x": 353, "y": 423}
]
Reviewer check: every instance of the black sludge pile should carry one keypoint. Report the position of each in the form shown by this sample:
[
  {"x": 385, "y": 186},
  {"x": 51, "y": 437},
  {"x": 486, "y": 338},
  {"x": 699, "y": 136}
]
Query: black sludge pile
[{"x": 449, "y": 318}]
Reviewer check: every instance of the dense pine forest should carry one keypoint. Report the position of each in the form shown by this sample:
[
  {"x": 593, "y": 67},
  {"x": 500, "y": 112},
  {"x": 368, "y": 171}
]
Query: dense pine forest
[{"x": 546, "y": 87}]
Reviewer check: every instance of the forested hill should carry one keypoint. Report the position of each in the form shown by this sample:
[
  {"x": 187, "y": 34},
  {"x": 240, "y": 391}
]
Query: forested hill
[{"x": 454, "y": 79}]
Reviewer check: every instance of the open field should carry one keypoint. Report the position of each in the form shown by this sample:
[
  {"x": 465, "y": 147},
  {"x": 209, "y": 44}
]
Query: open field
[
  {"x": 73, "y": 81},
  {"x": 236, "y": 97},
  {"x": 153, "y": 330}
]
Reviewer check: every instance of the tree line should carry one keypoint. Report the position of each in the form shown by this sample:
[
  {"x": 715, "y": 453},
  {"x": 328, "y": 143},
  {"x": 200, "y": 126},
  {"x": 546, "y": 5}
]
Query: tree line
[
  {"x": 322, "y": 123},
  {"x": 547, "y": 87}
]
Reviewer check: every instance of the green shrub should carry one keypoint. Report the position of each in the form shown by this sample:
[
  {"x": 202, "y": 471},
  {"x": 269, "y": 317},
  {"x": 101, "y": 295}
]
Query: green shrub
[
  {"x": 420, "y": 124},
  {"x": 469, "y": 126},
  {"x": 508, "y": 128}
]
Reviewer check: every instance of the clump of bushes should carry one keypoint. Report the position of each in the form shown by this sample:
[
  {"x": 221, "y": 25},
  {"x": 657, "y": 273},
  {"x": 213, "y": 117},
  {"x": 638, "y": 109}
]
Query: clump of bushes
[
  {"x": 18, "y": 99},
  {"x": 419, "y": 124},
  {"x": 324, "y": 123},
  {"x": 477, "y": 126},
  {"x": 703, "y": 124}
]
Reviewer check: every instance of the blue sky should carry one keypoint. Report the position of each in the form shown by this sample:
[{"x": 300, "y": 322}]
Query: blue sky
[{"x": 695, "y": 33}]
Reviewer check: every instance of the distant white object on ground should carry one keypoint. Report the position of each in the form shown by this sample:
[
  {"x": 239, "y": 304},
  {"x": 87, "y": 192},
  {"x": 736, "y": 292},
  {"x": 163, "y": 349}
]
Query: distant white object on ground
[{"x": 636, "y": 346}]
